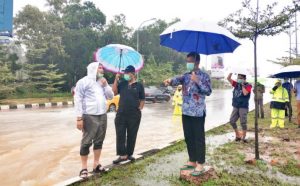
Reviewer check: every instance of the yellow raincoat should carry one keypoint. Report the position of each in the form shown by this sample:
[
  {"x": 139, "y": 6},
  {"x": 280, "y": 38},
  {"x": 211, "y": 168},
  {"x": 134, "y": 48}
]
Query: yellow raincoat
[
  {"x": 177, "y": 102},
  {"x": 280, "y": 97}
]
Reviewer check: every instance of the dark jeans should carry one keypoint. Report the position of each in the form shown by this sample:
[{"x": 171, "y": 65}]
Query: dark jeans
[
  {"x": 127, "y": 126},
  {"x": 289, "y": 109},
  {"x": 194, "y": 135}
]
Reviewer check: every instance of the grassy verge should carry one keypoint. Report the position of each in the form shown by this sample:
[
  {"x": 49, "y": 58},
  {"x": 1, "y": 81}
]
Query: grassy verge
[{"x": 277, "y": 152}]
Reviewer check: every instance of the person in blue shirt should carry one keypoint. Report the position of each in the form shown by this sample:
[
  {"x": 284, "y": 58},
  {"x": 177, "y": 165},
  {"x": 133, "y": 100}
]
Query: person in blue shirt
[
  {"x": 196, "y": 85},
  {"x": 289, "y": 87}
]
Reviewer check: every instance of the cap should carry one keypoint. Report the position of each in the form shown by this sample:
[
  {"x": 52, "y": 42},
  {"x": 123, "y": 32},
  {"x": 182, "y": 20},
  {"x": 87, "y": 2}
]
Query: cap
[
  {"x": 278, "y": 81},
  {"x": 129, "y": 69}
]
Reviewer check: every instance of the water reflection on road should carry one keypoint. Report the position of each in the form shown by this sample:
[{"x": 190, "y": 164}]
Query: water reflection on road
[{"x": 41, "y": 147}]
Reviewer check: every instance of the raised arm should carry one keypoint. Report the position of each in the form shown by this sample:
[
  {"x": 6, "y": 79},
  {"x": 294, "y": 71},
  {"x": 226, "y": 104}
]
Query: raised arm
[
  {"x": 229, "y": 78},
  {"x": 115, "y": 85}
]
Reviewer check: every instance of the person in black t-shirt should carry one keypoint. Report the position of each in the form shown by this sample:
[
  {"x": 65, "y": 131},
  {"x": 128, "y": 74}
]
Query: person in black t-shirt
[{"x": 128, "y": 118}]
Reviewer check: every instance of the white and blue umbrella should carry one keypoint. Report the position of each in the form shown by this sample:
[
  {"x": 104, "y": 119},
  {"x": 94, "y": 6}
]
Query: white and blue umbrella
[
  {"x": 291, "y": 71},
  {"x": 116, "y": 57},
  {"x": 197, "y": 36}
]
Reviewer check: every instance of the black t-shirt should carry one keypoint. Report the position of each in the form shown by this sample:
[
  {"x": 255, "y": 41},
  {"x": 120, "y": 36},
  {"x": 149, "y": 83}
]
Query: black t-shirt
[{"x": 130, "y": 96}]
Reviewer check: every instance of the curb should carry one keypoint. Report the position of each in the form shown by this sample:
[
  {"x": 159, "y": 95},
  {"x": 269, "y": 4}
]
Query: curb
[
  {"x": 36, "y": 105},
  {"x": 108, "y": 168}
]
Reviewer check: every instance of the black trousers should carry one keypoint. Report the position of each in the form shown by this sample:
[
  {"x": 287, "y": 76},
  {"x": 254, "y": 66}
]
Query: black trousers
[
  {"x": 194, "y": 135},
  {"x": 127, "y": 125}
]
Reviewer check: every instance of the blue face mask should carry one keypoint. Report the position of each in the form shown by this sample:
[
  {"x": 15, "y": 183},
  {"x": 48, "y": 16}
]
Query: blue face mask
[
  {"x": 127, "y": 77},
  {"x": 190, "y": 66},
  {"x": 240, "y": 81}
]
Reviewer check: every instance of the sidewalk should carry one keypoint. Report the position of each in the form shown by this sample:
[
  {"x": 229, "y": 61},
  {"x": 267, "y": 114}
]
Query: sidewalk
[{"x": 234, "y": 162}]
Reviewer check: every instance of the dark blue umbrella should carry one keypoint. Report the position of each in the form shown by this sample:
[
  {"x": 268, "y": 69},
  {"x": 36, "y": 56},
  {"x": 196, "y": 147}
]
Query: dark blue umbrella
[
  {"x": 291, "y": 71},
  {"x": 198, "y": 36}
]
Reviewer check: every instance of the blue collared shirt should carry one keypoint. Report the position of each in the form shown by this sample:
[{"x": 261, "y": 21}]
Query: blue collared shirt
[{"x": 194, "y": 93}]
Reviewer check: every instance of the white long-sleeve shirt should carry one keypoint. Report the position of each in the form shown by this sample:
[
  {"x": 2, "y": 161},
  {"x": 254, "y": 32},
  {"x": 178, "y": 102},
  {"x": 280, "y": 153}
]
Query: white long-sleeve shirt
[{"x": 90, "y": 96}]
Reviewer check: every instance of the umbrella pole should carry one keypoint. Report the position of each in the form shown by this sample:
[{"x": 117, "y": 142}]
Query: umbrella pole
[{"x": 121, "y": 51}]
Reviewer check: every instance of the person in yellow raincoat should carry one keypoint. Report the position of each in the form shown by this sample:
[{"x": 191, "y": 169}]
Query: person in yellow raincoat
[
  {"x": 177, "y": 101},
  {"x": 279, "y": 100}
]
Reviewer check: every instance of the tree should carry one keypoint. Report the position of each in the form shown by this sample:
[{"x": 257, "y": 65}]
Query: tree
[
  {"x": 52, "y": 79},
  {"x": 117, "y": 32},
  {"x": 153, "y": 72},
  {"x": 7, "y": 78},
  {"x": 77, "y": 16},
  {"x": 250, "y": 23}
]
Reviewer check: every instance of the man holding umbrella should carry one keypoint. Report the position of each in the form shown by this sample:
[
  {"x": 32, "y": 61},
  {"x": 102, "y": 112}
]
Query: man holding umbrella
[
  {"x": 196, "y": 85},
  {"x": 128, "y": 118}
]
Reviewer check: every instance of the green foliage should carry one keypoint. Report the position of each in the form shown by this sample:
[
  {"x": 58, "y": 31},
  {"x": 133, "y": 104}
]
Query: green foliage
[
  {"x": 77, "y": 16},
  {"x": 286, "y": 61},
  {"x": 243, "y": 24},
  {"x": 51, "y": 80},
  {"x": 154, "y": 73},
  {"x": 6, "y": 81}
]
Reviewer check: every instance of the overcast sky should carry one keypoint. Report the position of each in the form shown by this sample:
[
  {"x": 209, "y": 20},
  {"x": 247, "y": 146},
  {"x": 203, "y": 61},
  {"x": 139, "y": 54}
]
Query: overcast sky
[{"x": 137, "y": 11}]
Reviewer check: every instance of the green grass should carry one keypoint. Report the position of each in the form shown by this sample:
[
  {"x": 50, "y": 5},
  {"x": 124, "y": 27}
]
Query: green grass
[
  {"x": 122, "y": 174},
  {"x": 290, "y": 168}
]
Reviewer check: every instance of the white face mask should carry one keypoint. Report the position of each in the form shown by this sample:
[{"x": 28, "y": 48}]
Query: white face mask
[{"x": 100, "y": 75}]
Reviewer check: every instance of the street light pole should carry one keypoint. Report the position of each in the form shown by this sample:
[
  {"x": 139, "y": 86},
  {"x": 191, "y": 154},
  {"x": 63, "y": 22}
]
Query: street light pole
[{"x": 137, "y": 37}]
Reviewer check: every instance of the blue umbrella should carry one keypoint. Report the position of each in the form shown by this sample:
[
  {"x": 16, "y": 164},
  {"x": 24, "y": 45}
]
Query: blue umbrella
[
  {"x": 116, "y": 57},
  {"x": 291, "y": 71},
  {"x": 198, "y": 36}
]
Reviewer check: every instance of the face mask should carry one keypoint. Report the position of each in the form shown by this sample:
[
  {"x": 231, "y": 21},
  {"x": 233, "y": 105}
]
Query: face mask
[
  {"x": 127, "y": 77},
  {"x": 240, "y": 80},
  {"x": 190, "y": 66},
  {"x": 100, "y": 75}
]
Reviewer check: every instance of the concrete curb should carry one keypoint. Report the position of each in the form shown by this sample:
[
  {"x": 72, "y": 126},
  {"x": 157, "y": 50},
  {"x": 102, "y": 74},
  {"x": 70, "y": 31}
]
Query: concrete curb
[
  {"x": 138, "y": 156},
  {"x": 36, "y": 105}
]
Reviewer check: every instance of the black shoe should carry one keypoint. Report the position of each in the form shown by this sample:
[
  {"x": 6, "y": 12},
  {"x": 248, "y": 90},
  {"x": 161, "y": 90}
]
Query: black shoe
[
  {"x": 237, "y": 139},
  {"x": 98, "y": 169},
  {"x": 131, "y": 158},
  {"x": 119, "y": 160}
]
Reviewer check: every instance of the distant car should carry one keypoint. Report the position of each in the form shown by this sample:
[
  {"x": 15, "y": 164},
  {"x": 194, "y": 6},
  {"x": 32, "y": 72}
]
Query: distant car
[
  {"x": 168, "y": 89},
  {"x": 154, "y": 94},
  {"x": 113, "y": 104}
]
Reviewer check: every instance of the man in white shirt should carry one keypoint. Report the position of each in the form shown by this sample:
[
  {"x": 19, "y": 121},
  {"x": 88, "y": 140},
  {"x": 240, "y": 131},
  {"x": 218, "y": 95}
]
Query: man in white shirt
[{"x": 90, "y": 97}]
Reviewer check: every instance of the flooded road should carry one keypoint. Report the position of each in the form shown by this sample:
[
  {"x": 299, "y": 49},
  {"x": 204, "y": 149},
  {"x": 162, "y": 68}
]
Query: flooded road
[{"x": 41, "y": 147}]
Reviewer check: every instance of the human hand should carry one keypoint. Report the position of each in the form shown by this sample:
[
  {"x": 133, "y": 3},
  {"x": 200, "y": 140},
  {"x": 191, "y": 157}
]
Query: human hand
[
  {"x": 167, "y": 82},
  {"x": 117, "y": 78},
  {"x": 194, "y": 77},
  {"x": 103, "y": 82},
  {"x": 80, "y": 125}
]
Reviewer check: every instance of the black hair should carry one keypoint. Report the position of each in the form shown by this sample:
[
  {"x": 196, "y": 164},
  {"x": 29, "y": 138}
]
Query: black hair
[
  {"x": 242, "y": 75},
  {"x": 195, "y": 55}
]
